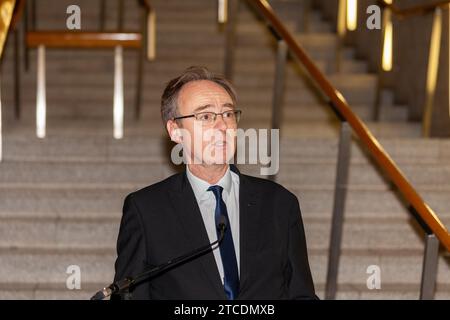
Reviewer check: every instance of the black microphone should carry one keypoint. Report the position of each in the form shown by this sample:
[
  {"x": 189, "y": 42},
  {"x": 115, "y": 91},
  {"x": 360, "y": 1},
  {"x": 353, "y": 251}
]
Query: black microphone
[{"x": 121, "y": 285}]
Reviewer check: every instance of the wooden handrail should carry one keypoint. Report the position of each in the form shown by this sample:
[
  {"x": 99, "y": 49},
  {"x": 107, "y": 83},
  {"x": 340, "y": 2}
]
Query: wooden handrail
[
  {"x": 360, "y": 129},
  {"x": 414, "y": 10},
  {"x": 59, "y": 39},
  {"x": 9, "y": 9}
]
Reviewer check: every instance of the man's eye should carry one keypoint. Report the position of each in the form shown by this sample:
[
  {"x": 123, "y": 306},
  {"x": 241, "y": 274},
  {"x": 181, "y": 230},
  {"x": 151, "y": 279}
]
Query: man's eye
[
  {"x": 228, "y": 114},
  {"x": 205, "y": 117}
]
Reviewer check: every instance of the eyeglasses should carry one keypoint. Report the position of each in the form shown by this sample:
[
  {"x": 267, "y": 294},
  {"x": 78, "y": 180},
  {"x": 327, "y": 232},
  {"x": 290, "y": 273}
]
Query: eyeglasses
[{"x": 209, "y": 118}]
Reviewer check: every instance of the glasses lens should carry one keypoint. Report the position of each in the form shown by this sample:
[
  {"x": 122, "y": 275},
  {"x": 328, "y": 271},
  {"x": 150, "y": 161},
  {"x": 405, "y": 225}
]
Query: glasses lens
[
  {"x": 205, "y": 117},
  {"x": 208, "y": 118}
]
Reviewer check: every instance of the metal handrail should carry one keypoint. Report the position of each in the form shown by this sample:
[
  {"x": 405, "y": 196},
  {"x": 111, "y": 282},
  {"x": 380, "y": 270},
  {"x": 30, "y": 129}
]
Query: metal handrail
[{"x": 360, "y": 129}]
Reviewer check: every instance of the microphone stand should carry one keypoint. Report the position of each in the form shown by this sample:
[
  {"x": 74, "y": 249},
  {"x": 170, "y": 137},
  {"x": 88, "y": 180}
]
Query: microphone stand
[{"x": 124, "y": 284}]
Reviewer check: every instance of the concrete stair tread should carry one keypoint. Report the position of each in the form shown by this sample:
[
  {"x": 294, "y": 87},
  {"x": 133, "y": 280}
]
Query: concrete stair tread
[
  {"x": 346, "y": 292},
  {"x": 44, "y": 235},
  {"x": 138, "y": 172},
  {"x": 24, "y": 146},
  {"x": 17, "y": 267}
]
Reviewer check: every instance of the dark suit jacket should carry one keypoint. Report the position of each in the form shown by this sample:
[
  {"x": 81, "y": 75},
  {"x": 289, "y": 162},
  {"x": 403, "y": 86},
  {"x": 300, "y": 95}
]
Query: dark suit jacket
[{"x": 163, "y": 221}]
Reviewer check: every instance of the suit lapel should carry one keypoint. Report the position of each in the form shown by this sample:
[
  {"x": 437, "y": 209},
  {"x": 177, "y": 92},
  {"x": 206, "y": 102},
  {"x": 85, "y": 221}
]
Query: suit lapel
[
  {"x": 188, "y": 212},
  {"x": 249, "y": 212}
]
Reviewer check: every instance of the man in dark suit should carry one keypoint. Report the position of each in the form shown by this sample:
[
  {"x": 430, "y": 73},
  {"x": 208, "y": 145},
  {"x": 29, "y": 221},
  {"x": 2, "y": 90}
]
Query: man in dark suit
[{"x": 263, "y": 253}]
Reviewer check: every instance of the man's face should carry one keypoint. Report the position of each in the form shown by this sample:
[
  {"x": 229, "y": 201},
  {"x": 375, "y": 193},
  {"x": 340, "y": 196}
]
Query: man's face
[{"x": 208, "y": 144}]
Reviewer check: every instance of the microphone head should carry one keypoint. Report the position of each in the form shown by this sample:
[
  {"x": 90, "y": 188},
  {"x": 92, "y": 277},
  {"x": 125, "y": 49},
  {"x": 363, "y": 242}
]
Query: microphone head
[{"x": 222, "y": 225}]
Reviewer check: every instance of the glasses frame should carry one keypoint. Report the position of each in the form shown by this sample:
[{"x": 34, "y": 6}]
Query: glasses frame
[{"x": 237, "y": 114}]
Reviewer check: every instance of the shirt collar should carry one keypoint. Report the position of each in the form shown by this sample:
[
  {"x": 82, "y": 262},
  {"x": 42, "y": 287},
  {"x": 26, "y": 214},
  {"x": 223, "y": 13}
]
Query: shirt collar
[{"x": 200, "y": 186}]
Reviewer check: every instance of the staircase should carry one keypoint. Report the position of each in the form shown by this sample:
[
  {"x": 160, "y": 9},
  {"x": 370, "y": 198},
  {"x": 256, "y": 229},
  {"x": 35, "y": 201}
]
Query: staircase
[{"x": 61, "y": 197}]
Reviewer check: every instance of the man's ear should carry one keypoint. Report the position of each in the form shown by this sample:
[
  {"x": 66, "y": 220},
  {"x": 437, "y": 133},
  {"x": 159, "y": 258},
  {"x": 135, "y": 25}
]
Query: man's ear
[{"x": 174, "y": 131}]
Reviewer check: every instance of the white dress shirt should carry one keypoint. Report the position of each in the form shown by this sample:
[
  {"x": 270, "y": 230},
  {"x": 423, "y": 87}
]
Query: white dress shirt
[{"x": 207, "y": 204}]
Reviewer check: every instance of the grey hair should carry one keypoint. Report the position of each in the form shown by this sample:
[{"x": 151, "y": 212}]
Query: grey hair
[{"x": 169, "y": 99}]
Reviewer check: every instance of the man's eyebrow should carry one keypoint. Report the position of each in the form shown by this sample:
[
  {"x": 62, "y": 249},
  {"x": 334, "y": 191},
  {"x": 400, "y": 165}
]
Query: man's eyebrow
[
  {"x": 201, "y": 108},
  {"x": 230, "y": 105}
]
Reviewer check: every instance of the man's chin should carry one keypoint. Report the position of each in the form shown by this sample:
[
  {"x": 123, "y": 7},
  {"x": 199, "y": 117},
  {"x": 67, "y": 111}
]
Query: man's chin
[{"x": 216, "y": 162}]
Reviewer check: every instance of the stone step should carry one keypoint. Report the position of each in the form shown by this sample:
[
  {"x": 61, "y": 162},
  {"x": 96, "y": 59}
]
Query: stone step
[
  {"x": 186, "y": 50},
  {"x": 359, "y": 174},
  {"x": 302, "y": 113},
  {"x": 89, "y": 100},
  {"x": 291, "y": 113},
  {"x": 247, "y": 71},
  {"x": 306, "y": 174},
  {"x": 104, "y": 201},
  {"x": 346, "y": 292},
  {"x": 83, "y": 172},
  {"x": 102, "y": 126},
  {"x": 150, "y": 114},
  {"x": 101, "y": 109},
  {"x": 178, "y": 14},
  {"x": 157, "y": 72},
  {"x": 98, "y": 89},
  {"x": 89, "y": 234},
  {"x": 21, "y": 145},
  {"x": 248, "y": 76},
  {"x": 320, "y": 129},
  {"x": 49, "y": 268}
]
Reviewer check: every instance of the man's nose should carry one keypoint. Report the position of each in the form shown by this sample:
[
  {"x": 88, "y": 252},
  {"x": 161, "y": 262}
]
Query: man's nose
[{"x": 220, "y": 123}]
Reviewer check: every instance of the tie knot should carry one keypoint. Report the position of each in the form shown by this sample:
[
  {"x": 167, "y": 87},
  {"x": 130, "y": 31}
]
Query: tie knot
[{"x": 217, "y": 190}]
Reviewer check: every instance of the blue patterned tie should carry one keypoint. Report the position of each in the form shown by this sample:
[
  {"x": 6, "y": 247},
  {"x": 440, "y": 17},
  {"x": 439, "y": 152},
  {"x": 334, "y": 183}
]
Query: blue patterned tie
[{"x": 229, "y": 261}]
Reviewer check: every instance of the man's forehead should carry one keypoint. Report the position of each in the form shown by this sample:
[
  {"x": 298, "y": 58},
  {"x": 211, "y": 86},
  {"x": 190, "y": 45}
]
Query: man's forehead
[
  {"x": 205, "y": 93},
  {"x": 212, "y": 106},
  {"x": 204, "y": 87}
]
